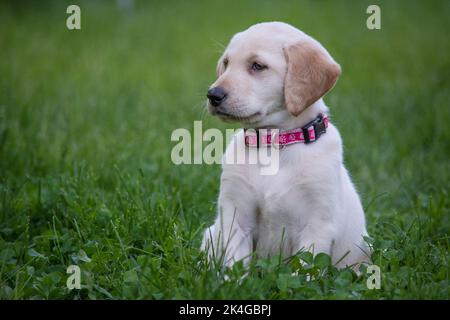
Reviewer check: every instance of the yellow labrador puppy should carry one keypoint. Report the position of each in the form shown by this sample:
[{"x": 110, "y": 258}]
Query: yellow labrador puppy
[{"x": 273, "y": 76}]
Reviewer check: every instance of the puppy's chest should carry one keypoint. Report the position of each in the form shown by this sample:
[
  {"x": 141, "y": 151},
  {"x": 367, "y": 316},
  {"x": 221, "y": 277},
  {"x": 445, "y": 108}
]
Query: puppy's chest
[
  {"x": 294, "y": 193},
  {"x": 288, "y": 168},
  {"x": 280, "y": 196}
]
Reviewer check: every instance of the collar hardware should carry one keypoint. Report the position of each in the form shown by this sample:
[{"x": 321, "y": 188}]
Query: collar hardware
[{"x": 318, "y": 125}]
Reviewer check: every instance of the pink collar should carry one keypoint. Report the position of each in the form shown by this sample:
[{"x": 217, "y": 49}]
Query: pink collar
[{"x": 306, "y": 134}]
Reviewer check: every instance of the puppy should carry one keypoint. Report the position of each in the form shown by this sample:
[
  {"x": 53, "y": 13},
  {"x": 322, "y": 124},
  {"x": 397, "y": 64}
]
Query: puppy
[{"x": 273, "y": 76}]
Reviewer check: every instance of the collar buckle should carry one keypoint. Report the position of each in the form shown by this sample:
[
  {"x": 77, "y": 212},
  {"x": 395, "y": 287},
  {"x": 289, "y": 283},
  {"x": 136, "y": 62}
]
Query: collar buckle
[{"x": 319, "y": 127}]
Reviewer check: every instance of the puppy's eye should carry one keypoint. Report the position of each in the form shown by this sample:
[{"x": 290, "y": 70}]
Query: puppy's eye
[
  {"x": 225, "y": 63},
  {"x": 257, "y": 66}
]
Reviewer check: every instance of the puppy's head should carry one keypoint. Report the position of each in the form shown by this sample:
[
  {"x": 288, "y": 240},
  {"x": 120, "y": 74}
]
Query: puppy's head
[{"x": 267, "y": 68}]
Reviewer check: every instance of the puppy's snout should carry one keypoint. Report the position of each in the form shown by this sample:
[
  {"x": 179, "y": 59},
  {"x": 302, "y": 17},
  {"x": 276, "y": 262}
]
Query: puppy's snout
[{"x": 216, "y": 96}]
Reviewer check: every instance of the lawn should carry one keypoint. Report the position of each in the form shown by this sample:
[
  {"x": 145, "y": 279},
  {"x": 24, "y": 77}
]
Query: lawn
[{"x": 85, "y": 171}]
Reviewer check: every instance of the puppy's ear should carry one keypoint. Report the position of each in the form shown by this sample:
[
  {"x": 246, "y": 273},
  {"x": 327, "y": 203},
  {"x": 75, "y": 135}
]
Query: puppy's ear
[{"x": 310, "y": 74}]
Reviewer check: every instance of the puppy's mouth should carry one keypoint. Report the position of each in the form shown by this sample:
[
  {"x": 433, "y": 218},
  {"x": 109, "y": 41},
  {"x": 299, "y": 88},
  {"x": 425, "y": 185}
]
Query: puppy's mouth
[
  {"x": 228, "y": 117},
  {"x": 231, "y": 117}
]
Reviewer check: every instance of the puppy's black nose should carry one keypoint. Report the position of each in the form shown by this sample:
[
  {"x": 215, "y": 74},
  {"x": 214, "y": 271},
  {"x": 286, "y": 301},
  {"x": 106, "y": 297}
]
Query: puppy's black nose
[{"x": 216, "y": 95}]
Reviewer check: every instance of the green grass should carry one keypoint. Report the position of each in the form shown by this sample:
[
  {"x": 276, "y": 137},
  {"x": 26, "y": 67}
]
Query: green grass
[{"x": 85, "y": 170}]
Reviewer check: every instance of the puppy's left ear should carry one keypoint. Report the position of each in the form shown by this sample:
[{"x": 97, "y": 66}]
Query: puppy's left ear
[{"x": 310, "y": 74}]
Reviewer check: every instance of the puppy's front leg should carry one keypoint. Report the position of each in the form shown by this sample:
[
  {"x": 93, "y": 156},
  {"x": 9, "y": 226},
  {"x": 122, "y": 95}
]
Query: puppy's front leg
[
  {"x": 316, "y": 238},
  {"x": 230, "y": 238}
]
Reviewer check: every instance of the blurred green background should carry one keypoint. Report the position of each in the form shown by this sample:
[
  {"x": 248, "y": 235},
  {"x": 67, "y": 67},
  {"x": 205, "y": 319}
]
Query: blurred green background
[{"x": 85, "y": 124}]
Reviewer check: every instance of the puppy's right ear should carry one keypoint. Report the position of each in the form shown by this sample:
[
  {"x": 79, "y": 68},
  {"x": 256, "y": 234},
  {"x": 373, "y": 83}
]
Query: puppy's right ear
[{"x": 310, "y": 74}]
